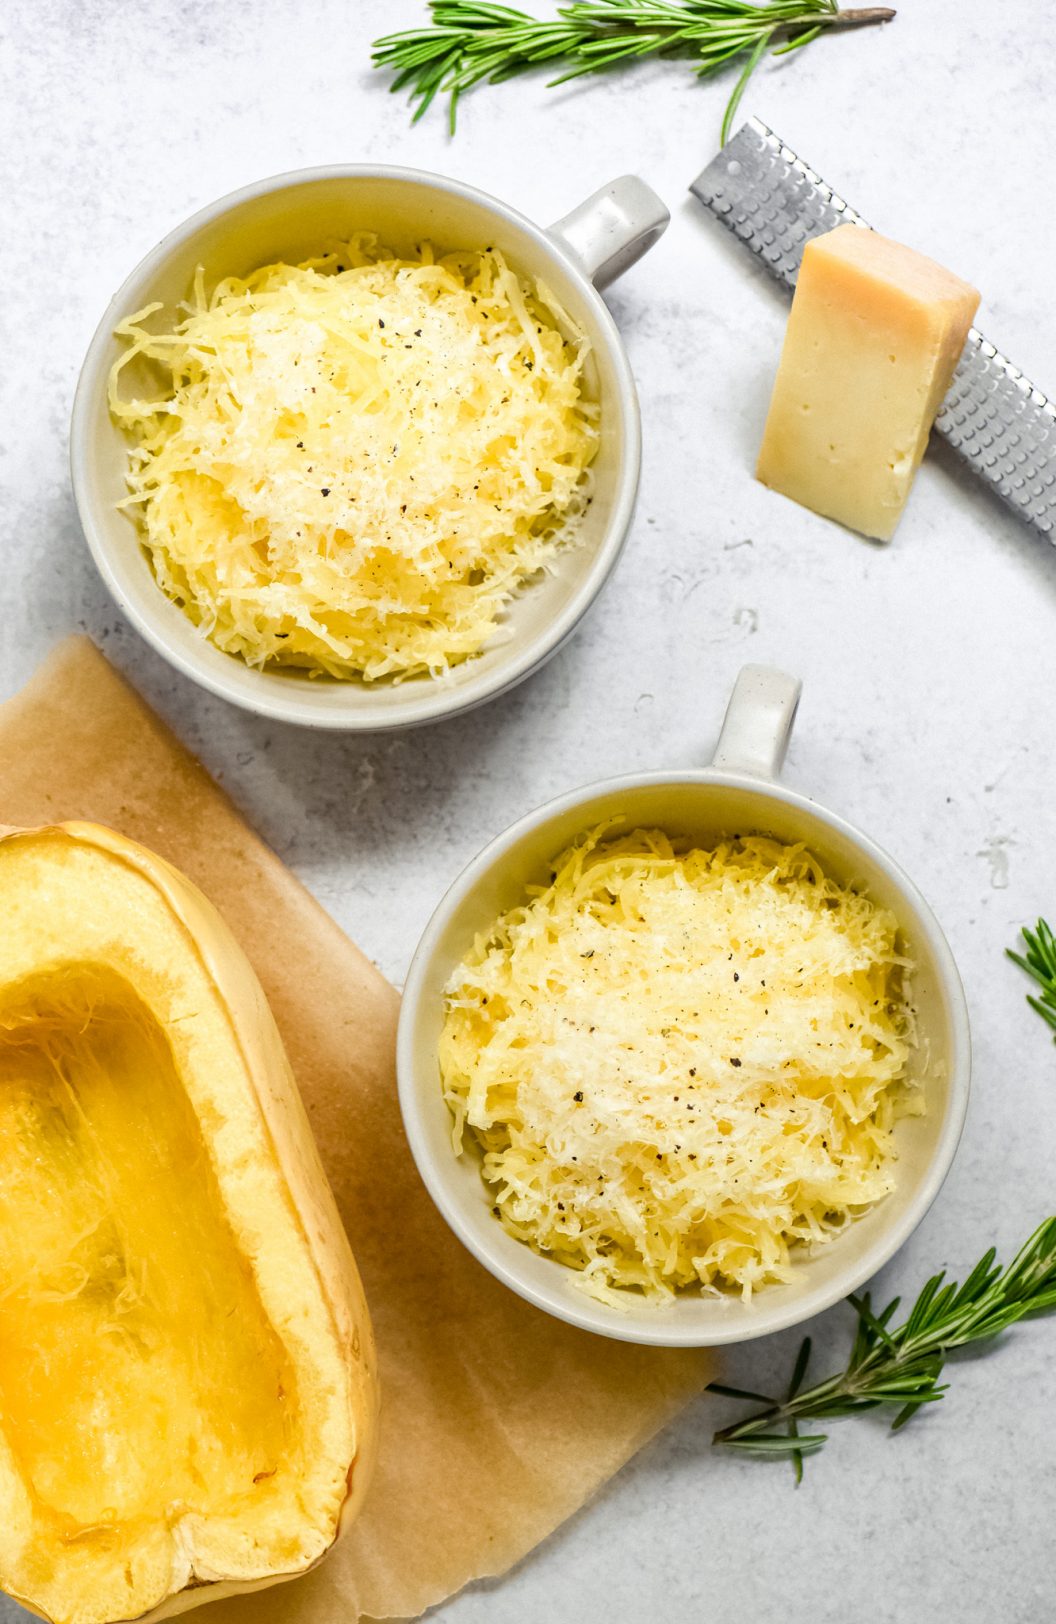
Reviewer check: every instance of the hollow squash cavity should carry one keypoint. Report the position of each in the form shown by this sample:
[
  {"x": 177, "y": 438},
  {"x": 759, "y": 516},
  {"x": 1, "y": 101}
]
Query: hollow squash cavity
[
  {"x": 139, "y": 1375},
  {"x": 188, "y": 1393}
]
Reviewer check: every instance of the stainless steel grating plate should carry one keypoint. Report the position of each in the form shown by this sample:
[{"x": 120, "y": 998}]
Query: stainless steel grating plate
[{"x": 999, "y": 422}]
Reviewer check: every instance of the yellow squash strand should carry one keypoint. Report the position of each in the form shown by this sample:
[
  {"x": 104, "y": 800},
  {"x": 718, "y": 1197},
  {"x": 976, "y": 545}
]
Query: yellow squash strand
[
  {"x": 353, "y": 464},
  {"x": 679, "y": 1065}
]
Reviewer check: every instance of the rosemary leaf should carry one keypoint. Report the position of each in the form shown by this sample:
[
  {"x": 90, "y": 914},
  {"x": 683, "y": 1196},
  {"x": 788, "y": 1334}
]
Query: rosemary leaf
[
  {"x": 1040, "y": 964},
  {"x": 473, "y": 41},
  {"x": 902, "y": 1366}
]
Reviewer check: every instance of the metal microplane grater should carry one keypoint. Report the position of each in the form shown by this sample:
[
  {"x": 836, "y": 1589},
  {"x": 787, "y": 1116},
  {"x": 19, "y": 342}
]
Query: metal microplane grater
[{"x": 1003, "y": 427}]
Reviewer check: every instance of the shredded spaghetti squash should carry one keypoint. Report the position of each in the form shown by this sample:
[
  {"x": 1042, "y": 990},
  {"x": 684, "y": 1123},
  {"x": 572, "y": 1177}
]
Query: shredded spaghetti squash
[
  {"x": 351, "y": 465},
  {"x": 682, "y": 1066}
]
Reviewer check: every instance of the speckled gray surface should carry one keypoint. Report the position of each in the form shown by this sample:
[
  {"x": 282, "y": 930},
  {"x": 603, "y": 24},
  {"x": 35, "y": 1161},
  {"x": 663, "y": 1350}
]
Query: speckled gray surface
[{"x": 929, "y": 666}]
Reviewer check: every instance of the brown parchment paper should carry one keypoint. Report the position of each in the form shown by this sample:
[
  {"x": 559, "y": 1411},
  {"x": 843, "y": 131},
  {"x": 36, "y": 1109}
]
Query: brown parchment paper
[{"x": 497, "y": 1421}]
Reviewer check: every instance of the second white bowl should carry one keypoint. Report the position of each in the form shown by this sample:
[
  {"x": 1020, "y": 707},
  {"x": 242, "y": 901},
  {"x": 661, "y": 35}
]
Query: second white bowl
[{"x": 737, "y": 794}]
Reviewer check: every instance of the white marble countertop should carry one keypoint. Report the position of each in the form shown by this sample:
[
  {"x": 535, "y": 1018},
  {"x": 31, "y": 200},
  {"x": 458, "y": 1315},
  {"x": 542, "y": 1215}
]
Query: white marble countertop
[{"x": 929, "y": 666}]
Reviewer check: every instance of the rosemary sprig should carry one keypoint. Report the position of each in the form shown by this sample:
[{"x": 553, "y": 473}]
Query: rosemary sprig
[
  {"x": 901, "y": 1366},
  {"x": 1040, "y": 962},
  {"x": 471, "y": 41}
]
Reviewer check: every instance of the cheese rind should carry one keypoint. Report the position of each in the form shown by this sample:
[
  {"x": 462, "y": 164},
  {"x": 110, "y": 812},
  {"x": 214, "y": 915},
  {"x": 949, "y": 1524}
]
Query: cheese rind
[{"x": 872, "y": 343}]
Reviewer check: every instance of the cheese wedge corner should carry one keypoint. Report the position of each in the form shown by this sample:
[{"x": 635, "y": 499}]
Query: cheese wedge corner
[{"x": 873, "y": 340}]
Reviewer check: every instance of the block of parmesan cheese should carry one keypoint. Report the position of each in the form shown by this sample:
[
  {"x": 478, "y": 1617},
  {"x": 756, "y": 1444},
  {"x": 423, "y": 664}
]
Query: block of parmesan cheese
[{"x": 874, "y": 337}]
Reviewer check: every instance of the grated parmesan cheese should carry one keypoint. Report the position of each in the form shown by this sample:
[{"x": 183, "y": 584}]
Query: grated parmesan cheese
[
  {"x": 681, "y": 1066},
  {"x": 351, "y": 465}
]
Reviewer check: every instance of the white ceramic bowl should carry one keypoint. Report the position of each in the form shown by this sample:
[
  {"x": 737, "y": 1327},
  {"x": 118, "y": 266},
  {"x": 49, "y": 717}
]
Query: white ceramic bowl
[
  {"x": 290, "y": 217},
  {"x": 736, "y": 794}
]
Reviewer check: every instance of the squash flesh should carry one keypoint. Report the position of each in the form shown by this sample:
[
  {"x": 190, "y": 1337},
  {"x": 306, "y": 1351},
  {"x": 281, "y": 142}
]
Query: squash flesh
[{"x": 138, "y": 1371}]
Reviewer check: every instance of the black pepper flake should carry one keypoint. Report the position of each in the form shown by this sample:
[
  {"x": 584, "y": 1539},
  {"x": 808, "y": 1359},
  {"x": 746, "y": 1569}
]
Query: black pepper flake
[
  {"x": 734, "y": 1061},
  {"x": 736, "y": 977},
  {"x": 380, "y": 322},
  {"x": 417, "y": 332},
  {"x": 578, "y": 1096},
  {"x": 324, "y": 490}
]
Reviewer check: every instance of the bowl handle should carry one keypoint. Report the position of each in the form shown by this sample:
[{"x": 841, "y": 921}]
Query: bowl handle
[
  {"x": 758, "y": 722},
  {"x": 612, "y": 228}
]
